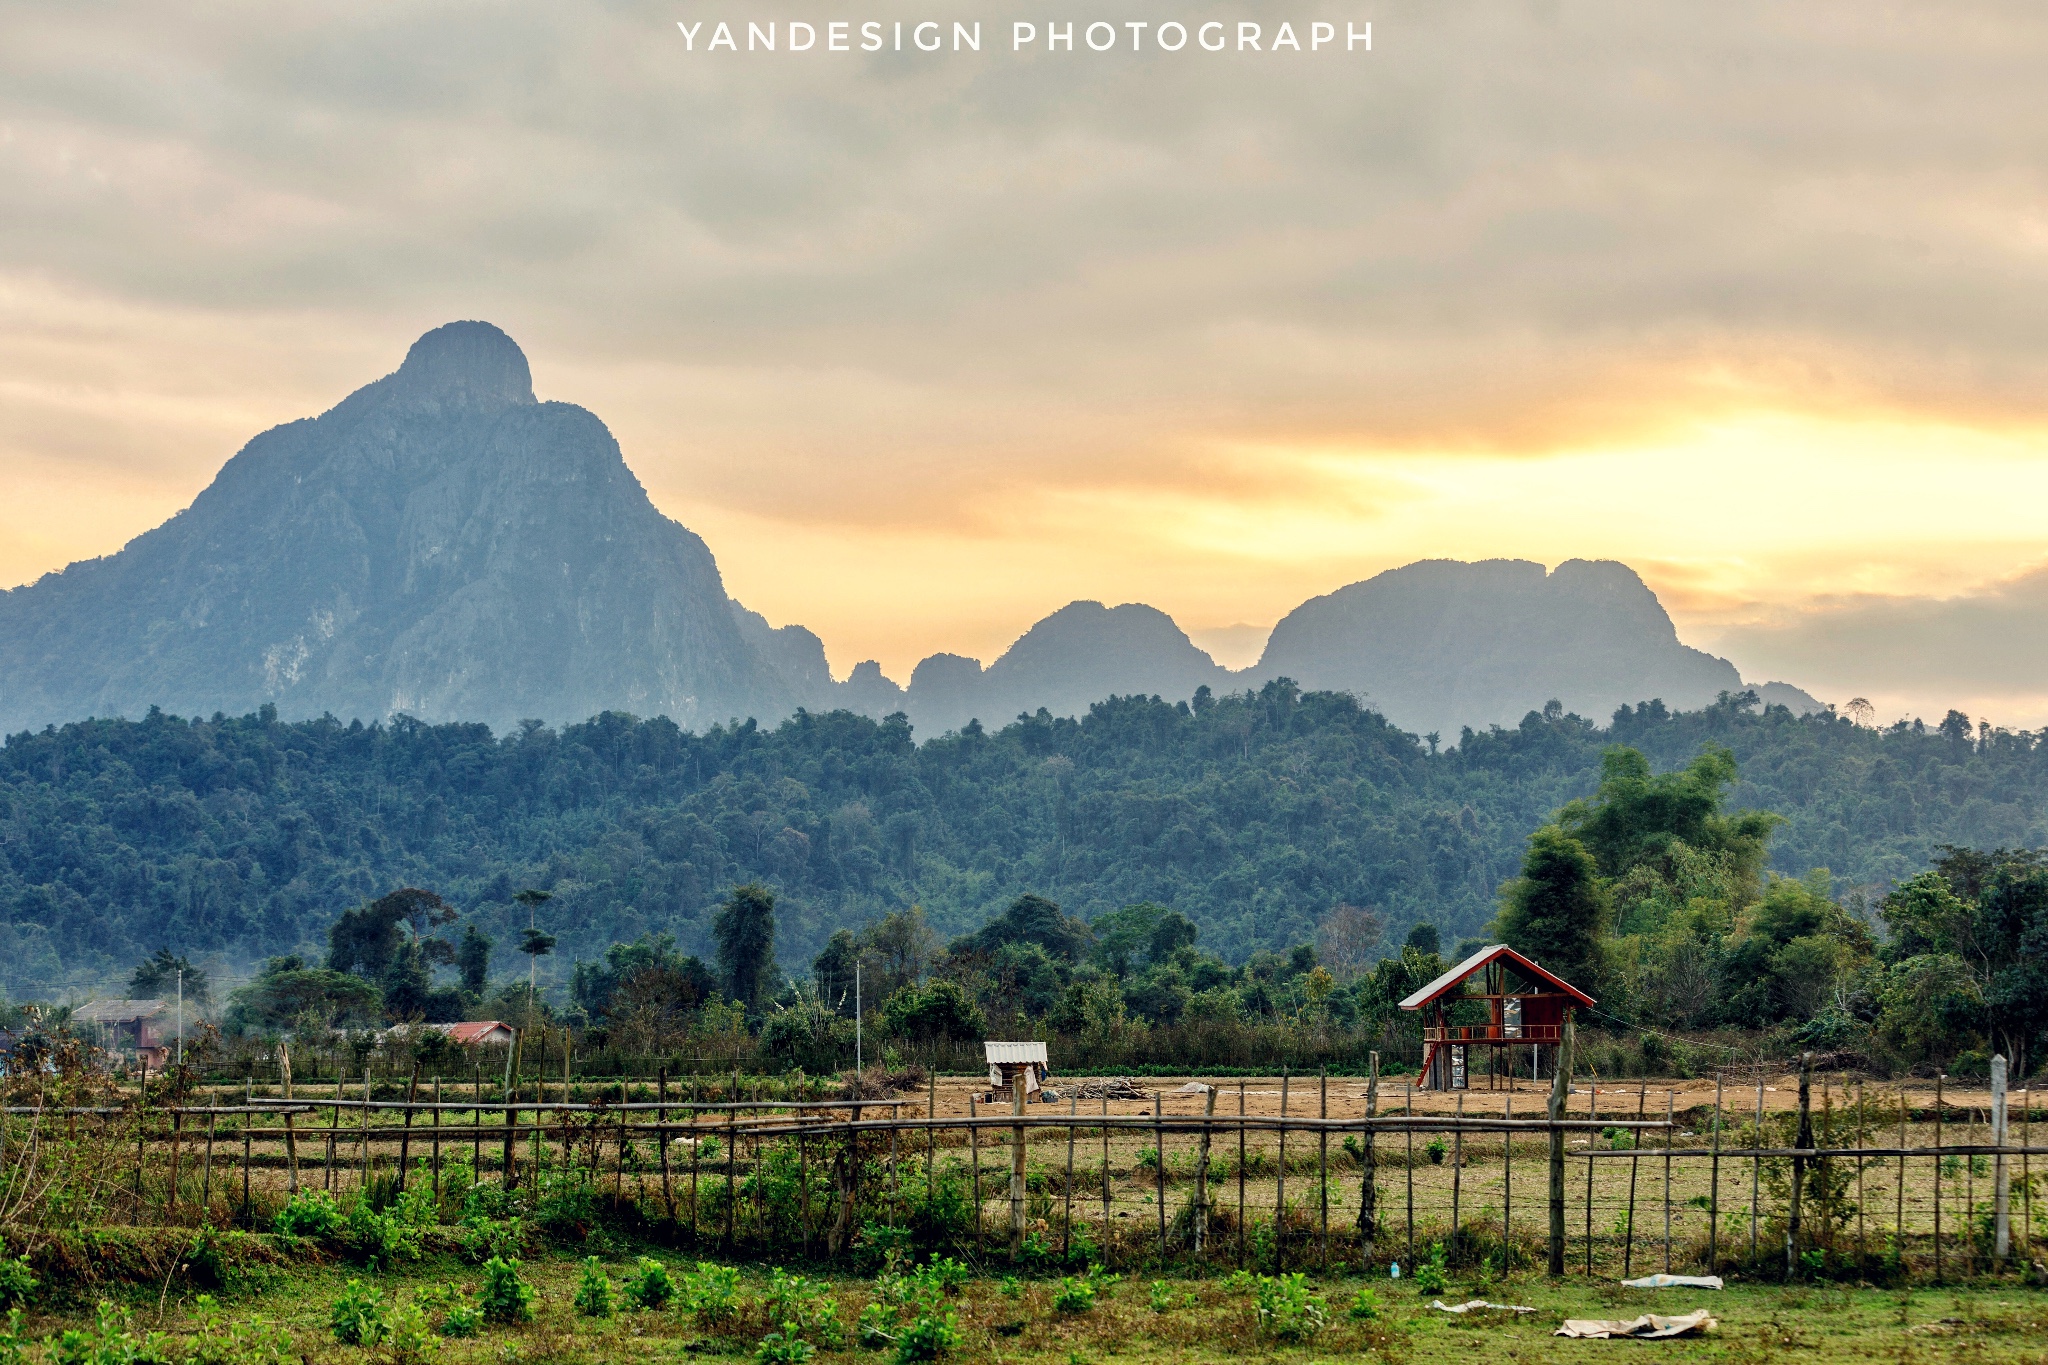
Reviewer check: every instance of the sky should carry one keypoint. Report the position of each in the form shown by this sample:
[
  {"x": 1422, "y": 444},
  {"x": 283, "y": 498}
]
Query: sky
[{"x": 926, "y": 345}]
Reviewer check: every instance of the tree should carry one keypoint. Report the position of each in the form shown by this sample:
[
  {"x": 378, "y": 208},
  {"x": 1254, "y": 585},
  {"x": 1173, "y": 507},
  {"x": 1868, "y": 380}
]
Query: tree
[
  {"x": 288, "y": 994},
  {"x": 1031, "y": 919},
  {"x": 1424, "y": 938},
  {"x": 833, "y": 971},
  {"x": 158, "y": 976},
  {"x": 1555, "y": 913},
  {"x": 473, "y": 960},
  {"x": 943, "y": 1009},
  {"x": 745, "y": 929},
  {"x": 1636, "y": 816},
  {"x": 535, "y": 944},
  {"x": 1348, "y": 940},
  {"x": 366, "y": 939}
]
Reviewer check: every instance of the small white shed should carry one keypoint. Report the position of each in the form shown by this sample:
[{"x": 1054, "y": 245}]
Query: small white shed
[{"x": 1006, "y": 1060}]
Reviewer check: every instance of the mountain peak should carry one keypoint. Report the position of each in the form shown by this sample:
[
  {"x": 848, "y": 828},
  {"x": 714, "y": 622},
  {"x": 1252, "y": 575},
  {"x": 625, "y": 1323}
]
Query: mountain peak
[{"x": 465, "y": 364}]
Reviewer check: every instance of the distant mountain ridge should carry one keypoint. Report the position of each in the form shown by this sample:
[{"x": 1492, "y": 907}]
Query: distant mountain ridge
[
  {"x": 442, "y": 544},
  {"x": 438, "y": 543}
]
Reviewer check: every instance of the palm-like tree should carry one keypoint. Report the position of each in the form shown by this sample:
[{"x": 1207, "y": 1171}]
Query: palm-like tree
[{"x": 533, "y": 942}]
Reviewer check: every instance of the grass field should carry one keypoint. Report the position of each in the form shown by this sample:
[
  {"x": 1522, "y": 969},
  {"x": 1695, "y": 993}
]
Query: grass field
[{"x": 1208, "y": 1319}]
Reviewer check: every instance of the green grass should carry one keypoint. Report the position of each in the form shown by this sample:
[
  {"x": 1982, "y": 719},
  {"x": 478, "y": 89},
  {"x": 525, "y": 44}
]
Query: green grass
[{"x": 1204, "y": 1320}]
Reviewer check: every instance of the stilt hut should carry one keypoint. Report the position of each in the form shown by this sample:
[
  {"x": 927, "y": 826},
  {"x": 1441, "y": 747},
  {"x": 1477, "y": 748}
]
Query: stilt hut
[{"x": 1516, "y": 1010}]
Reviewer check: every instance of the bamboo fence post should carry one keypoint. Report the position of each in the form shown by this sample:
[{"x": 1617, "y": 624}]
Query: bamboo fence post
[
  {"x": 1105, "y": 1172},
  {"x": 1280, "y": 1184},
  {"x": 1756, "y": 1163},
  {"x": 1635, "y": 1161},
  {"x": 1457, "y": 1167},
  {"x": 508, "y": 1170},
  {"x": 1323, "y": 1157},
  {"x": 333, "y": 1123},
  {"x": 1368, "y": 1192},
  {"x": 412, "y": 1091},
  {"x": 1714, "y": 1184},
  {"x": 803, "y": 1180},
  {"x": 1592, "y": 1140},
  {"x": 668, "y": 1190},
  {"x": 974, "y": 1160},
  {"x": 248, "y": 1125},
  {"x": 1240, "y": 1172},
  {"x": 1507, "y": 1180},
  {"x": 476, "y": 1122},
  {"x": 437, "y": 1140},
  {"x": 1408, "y": 1113},
  {"x": 177, "y": 1131},
  {"x": 1067, "y": 1225},
  {"x": 625, "y": 1138},
  {"x": 1560, "y": 1091},
  {"x": 1802, "y": 1141},
  {"x": 696, "y": 1151},
  {"x": 1668, "y": 1103},
  {"x": 896, "y": 1165},
  {"x": 2026, "y": 1174},
  {"x": 206, "y": 1179},
  {"x": 363, "y": 1128},
  {"x": 1937, "y": 1177},
  {"x": 1159, "y": 1172},
  {"x": 1202, "y": 1176},
  {"x": 931, "y": 1135},
  {"x": 1017, "y": 1167},
  {"x": 1861, "y": 1119},
  {"x": 1899, "y": 1216},
  {"x": 2001, "y": 1186},
  {"x": 732, "y": 1170},
  {"x": 291, "y": 1137},
  {"x": 1969, "y": 1186},
  {"x": 141, "y": 1113}
]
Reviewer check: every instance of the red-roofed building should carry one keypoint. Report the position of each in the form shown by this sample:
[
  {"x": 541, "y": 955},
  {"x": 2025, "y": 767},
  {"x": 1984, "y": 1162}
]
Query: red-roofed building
[{"x": 1525, "y": 1007}]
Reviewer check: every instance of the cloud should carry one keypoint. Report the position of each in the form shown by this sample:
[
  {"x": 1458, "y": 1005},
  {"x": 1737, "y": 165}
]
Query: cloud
[
  {"x": 927, "y": 345},
  {"x": 1984, "y": 652}
]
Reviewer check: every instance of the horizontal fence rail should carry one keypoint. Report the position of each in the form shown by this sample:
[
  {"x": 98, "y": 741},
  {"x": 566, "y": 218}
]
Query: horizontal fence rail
[{"x": 1833, "y": 1187}]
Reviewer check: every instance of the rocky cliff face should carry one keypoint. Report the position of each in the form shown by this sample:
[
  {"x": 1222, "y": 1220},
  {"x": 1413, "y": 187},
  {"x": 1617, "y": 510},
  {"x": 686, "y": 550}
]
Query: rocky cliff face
[
  {"x": 439, "y": 543},
  {"x": 1433, "y": 646},
  {"x": 1441, "y": 644}
]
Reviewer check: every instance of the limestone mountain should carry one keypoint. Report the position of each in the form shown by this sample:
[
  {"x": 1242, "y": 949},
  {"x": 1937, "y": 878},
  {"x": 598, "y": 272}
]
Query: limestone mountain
[
  {"x": 1441, "y": 644},
  {"x": 439, "y": 543}
]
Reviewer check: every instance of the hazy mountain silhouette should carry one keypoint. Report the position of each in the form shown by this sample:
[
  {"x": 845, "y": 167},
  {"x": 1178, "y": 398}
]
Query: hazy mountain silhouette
[
  {"x": 1433, "y": 646},
  {"x": 441, "y": 544},
  {"x": 438, "y": 543}
]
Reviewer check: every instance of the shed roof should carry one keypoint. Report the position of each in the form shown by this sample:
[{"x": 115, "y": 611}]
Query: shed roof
[
  {"x": 1015, "y": 1053},
  {"x": 119, "y": 1011},
  {"x": 1497, "y": 952}
]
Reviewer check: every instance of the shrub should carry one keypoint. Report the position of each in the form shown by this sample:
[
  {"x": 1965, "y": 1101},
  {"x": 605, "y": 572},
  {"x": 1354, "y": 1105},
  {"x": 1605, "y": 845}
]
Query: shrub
[
  {"x": 712, "y": 1294},
  {"x": 948, "y": 1273},
  {"x": 1365, "y": 1305},
  {"x": 408, "y": 1339},
  {"x": 488, "y": 1237},
  {"x": 876, "y": 1327},
  {"x": 930, "y": 1335},
  {"x": 1435, "y": 1149},
  {"x": 594, "y": 1297},
  {"x": 650, "y": 1287},
  {"x": 806, "y": 1307},
  {"x": 786, "y": 1347},
  {"x": 358, "y": 1315},
  {"x": 111, "y": 1341},
  {"x": 1431, "y": 1275},
  {"x": 1102, "y": 1282},
  {"x": 459, "y": 1317},
  {"x": 1074, "y": 1296},
  {"x": 1012, "y": 1287},
  {"x": 1287, "y": 1311},
  {"x": 254, "y": 1341},
  {"x": 1162, "y": 1297},
  {"x": 505, "y": 1297},
  {"x": 14, "y": 1342},
  {"x": 309, "y": 1213},
  {"x": 16, "y": 1283}
]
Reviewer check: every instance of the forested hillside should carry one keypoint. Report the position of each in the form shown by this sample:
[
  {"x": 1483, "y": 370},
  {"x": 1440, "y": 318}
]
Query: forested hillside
[{"x": 1254, "y": 815}]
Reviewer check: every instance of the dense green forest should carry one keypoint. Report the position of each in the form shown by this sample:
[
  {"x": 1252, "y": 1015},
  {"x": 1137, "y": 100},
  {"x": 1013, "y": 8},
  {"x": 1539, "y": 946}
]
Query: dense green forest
[{"x": 231, "y": 839}]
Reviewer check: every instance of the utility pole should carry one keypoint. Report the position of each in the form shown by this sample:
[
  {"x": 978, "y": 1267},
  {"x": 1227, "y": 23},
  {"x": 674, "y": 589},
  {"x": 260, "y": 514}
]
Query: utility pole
[
  {"x": 856, "y": 1016},
  {"x": 181, "y": 1016}
]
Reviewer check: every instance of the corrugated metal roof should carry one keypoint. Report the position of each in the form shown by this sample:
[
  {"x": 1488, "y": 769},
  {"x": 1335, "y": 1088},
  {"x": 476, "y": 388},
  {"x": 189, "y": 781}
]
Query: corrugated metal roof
[
  {"x": 1479, "y": 959},
  {"x": 1016, "y": 1053}
]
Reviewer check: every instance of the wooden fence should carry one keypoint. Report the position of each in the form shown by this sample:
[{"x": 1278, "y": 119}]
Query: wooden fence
[{"x": 1703, "y": 1204}]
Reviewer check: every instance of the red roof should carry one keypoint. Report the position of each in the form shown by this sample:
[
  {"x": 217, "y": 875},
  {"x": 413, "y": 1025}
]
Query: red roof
[
  {"x": 1455, "y": 977},
  {"x": 473, "y": 1033}
]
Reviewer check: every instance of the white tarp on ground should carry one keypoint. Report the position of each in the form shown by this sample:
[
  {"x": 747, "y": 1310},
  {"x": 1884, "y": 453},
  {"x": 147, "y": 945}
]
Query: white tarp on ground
[
  {"x": 1647, "y": 1326},
  {"x": 1481, "y": 1306},
  {"x": 1675, "y": 1282}
]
